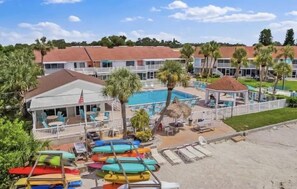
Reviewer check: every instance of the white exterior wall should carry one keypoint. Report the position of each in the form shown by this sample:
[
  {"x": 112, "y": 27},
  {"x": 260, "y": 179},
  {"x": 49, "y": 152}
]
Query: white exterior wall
[
  {"x": 69, "y": 65},
  {"x": 117, "y": 64}
]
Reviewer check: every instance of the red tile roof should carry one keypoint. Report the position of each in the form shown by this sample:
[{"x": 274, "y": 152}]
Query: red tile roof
[
  {"x": 227, "y": 52},
  {"x": 60, "y": 78},
  {"x": 227, "y": 83},
  {"x": 131, "y": 53},
  {"x": 70, "y": 54}
]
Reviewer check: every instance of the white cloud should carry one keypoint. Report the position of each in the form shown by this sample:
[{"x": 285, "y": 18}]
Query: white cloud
[
  {"x": 135, "y": 34},
  {"x": 154, "y": 9},
  {"x": 212, "y": 13},
  {"x": 131, "y": 19},
  {"x": 61, "y": 1},
  {"x": 222, "y": 39},
  {"x": 150, "y": 20},
  {"x": 73, "y": 18},
  {"x": 54, "y": 31},
  {"x": 261, "y": 16},
  {"x": 177, "y": 4},
  {"x": 283, "y": 25},
  {"x": 293, "y": 13}
]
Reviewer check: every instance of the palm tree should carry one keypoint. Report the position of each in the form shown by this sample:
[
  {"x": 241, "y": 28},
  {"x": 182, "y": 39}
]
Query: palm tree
[
  {"x": 286, "y": 52},
  {"x": 262, "y": 59},
  {"x": 171, "y": 74},
  {"x": 239, "y": 58},
  {"x": 140, "y": 120},
  {"x": 205, "y": 50},
  {"x": 281, "y": 69},
  {"x": 43, "y": 46},
  {"x": 121, "y": 85},
  {"x": 214, "y": 54},
  {"x": 187, "y": 53}
]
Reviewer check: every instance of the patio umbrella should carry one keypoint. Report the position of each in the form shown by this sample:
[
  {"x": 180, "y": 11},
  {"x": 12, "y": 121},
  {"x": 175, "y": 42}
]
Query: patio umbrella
[{"x": 177, "y": 109}]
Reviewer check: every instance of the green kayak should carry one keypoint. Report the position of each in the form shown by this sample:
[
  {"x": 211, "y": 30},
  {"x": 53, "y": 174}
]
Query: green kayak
[
  {"x": 66, "y": 155},
  {"x": 128, "y": 167},
  {"x": 118, "y": 148},
  {"x": 132, "y": 160}
]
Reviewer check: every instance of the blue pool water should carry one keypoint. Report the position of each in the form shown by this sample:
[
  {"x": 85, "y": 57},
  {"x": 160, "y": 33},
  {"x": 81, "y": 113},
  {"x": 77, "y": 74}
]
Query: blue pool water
[{"x": 156, "y": 96}]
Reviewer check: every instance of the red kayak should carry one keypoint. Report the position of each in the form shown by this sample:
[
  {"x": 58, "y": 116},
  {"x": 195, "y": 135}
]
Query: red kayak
[
  {"x": 41, "y": 170},
  {"x": 96, "y": 165}
]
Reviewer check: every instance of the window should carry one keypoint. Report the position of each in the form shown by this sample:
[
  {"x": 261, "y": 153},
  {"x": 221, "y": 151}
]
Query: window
[
  {"x": 89, "y": 108},
  {"x": 50, "y": 112},
  {"x": 106, "y": 64},
  {"x": 81, "y": 64},
  {"x": 54, "y": 66},
  {"x": 294, "y": 61},
  {"x": 129, "y": 63},
  {"x": 63, "y": 110}
]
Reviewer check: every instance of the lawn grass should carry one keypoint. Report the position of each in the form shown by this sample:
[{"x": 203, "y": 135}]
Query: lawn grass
[{"x": 255, "y": 120}]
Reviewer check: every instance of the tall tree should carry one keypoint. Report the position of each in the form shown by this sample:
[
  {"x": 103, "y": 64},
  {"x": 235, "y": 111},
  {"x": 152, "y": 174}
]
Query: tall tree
[
  {"x": 205, "y": 50},
  {"x": 121, "y": 85},
  {"x": 288, "y": 54},
  {"x": 262, "y": 60},
  {"x": 265, "y": 37},
  {"x": 187, "y": 53},
  {"x": 214, "y": 54},
  {"x": 19, "y": 76},
  {"x": 281, "y": 70},
  {"x": 290, "y": 40},
  {"x": 171, "y": 74},
  {"x": 43, "y": 47},
  {"x": 239, "y": 58}
]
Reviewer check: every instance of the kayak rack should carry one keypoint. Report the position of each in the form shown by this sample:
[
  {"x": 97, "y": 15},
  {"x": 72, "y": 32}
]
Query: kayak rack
[
  {"x": 63, "y": 177},
  {"x": 140, "y": 160}
]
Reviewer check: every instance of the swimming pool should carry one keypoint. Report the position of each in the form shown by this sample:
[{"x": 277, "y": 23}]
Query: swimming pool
[{"x": 147, "y": 97}]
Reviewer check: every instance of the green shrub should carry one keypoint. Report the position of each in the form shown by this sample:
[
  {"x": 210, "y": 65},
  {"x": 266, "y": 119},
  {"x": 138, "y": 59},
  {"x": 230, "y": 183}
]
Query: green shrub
[
  {"x": 144, "y": 136},
  {"x": 215, "y": 76},
  {"x": 292, "y": 102},
  {"x": 140, "y": 120}
]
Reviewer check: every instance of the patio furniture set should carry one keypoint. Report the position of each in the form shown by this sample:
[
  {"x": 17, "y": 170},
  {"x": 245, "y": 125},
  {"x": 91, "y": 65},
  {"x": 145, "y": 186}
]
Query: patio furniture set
[{"x": 53, "y": 122}]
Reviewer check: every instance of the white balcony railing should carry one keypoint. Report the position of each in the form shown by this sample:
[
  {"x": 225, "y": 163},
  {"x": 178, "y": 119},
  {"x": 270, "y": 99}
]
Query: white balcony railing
[{"x": 294, "y": 65}]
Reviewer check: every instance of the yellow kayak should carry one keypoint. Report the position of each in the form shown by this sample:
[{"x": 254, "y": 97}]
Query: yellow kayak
[
  {"x": 120, "y": 178},
  {"x": 69, "y": 178}
]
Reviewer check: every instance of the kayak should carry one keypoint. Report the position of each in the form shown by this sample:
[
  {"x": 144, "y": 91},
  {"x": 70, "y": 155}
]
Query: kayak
[
  {"x": 128, "y": 167},
  {"x": 71, "y": 185},
  {"x": 69, "y": 178},
  {"x": 111, "y": 186},
  {"x": 41, "y": 170},
  {"x": 95, "y": 165},
  {"x": 132, "y": 160},
  {"x": 103, "y": 157},
  {"x": 66, "y": 155},
  {"x": 101, "y": 173},
  {"x": 117, "y": 148},
  {"x": 116, "y": 141},
  {"x": 121, "y": 179},
  {"x": 164, "y": 185},
  {"x": 53, "y": 160}
]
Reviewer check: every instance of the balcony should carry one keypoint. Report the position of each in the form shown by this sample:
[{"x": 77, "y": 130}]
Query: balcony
[
  {"x": 294, "y": 65},
  {"x": 100, "y": 70}
]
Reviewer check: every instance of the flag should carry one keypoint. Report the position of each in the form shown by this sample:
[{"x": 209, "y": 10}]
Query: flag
[{"x": 81, "y": 98}]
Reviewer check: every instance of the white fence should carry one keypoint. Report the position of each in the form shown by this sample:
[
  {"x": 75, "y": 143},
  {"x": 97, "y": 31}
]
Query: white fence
[
  {"x": 117, "y": 124},
  {"x": 223, "y": 113}
]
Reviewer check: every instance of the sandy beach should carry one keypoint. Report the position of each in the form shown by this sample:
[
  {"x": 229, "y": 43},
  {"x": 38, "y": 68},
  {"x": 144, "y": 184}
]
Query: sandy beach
[{"x": 267, "y": 159}]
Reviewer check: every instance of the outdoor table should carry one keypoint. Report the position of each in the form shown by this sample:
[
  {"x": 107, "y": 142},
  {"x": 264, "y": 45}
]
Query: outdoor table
[
  {"x": 55, "y": 123},
  {"x": 100, "y": 118},
  {"x": 51, "y": 117},
  {"x": 90, "y": 113}
]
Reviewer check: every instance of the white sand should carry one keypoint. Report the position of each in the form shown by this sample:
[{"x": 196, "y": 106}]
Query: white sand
[{"x": 267, "y": 159}]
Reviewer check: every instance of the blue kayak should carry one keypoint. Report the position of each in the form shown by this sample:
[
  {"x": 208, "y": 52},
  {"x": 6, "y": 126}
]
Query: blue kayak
[
  {"x": 128, "y": 167},
  {"x": 132, "y": 160},
  {"x": 118, "y": 148},
  {"x": 116, "y": 141},
  {"x": 71, "y": 185},
  {"x": 66, "y": 155}
]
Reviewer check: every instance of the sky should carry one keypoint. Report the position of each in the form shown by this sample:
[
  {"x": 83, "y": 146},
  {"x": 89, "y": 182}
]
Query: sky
[{"x": 233, "y": 21}]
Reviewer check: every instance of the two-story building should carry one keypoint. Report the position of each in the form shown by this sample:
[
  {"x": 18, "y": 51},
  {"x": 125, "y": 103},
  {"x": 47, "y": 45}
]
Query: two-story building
[
  {"x": 223, "y": 64},
  {"x": 101, "y": 61}
]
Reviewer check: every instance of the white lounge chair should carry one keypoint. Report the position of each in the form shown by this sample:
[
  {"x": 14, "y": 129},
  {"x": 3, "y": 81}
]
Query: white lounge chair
[
  {"x": 186, "y": 154},
  {"x": 197, "y": 153},
  {"x": 157, "y": 156},
  {"x": 203, "y": 150},
  {"x": 172, "y": 157}
]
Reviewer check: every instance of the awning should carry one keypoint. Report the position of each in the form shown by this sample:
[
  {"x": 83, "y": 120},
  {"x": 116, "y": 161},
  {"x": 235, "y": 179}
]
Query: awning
[{"x": 68, "y": 99}]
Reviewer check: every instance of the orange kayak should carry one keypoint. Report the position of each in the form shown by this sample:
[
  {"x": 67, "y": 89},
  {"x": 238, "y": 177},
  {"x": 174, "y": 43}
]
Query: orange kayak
[
  {"x": 104, "y": 157},
  {"x": 111, "y": 186}
]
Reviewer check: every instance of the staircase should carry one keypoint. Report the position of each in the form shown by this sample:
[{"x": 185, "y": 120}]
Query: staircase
[{"x": 216, "y": 71}]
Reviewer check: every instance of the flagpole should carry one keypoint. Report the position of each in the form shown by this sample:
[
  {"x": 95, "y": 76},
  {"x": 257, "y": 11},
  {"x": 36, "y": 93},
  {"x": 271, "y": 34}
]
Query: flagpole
[{"x": 81, "y": 101}]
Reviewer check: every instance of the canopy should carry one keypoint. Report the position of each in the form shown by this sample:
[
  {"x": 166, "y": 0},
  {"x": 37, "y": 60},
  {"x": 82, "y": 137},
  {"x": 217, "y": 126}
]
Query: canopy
[{"x": 176, "y": 109}]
